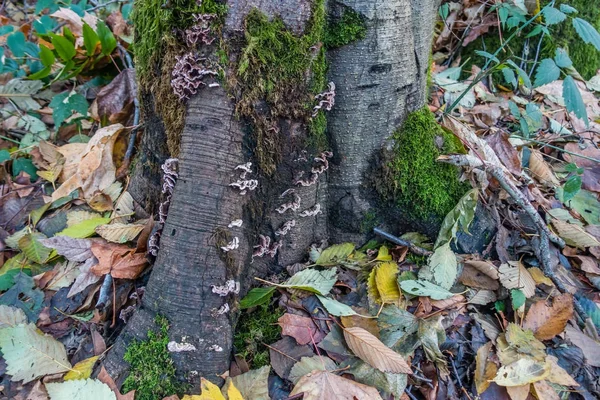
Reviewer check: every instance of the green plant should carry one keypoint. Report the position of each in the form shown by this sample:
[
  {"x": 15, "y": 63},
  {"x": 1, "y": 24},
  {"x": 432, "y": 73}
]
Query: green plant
[
  {"x": 152, "y": 373},
  {"x": 255, "y": 329}
]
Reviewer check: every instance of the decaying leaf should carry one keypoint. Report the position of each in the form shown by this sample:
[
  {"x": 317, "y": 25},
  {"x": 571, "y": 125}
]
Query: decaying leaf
[
  {"x": 117, "y": 260},
  {"x": 324, "y": 385},
  {"x": 523, "y": 341},
  {"x": 118, "y": 232},
  {"x": 308, "y": 364},
  {"x": 574, "y": 235},
  {"x": 371, "y": 350},
  {"x": 544, "y": 391},
  {"x": 485, "y": 370},
  {"x": 515, "y": 276},
  {"x": 541, "y": 170},
  {"x": 460, "y": 217},
  {"x": 442, "y": 267},
  {"x": 253, "y": 384},
  {"x": 30, "y": 354},
  {"x": 548, "y": 321},
  {"x": 11, "y": 316},
  {"x": 123, "y": 208},
  {"x": 303, "y": 329},
  {"x": 521, "y": 372},
  {"x": 89, "y": 389}
]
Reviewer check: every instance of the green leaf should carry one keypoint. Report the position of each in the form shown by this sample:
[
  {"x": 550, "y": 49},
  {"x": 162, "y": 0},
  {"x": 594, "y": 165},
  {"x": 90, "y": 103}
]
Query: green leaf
[
  {"x": 312, "y": 280},
  {"x": 41, "y": 74},
  {"x": 4, "y": 155},
  {"x": 522, "y": 74},
  {"x": 518, "y": 298},
  {"x": 460, "y": 217},
  {"x": 256, "y": 297},
  {"x": 64, "y": 104},
  {"x": 16, "y": 43},
  {"x": 84, "y": 229},
  {"x": 487, "y": 55},
  {"x": 24, "y": 295},
  {"x": 552, "y": 16},
  {"x": 573, "y": 100},
  {"x": 336, "y": 308},
  {"x": 38, "y": 213},
  {"x": 90, "y": 39},
  {"x": 587, "y": 32},
  {"x": 562, "y": 59},
  {"x": 591, "y": 308},
  {"x": 387, "y": 382},
  {"x": 26, "y": 165},
  {"x": 107, "y": 39},
  {"x": 46, "y": 56},
  {"x": 64, "y": 48},
  {"x": 443, "y": 266},
  {"x": 89, "y": 389},
  {"x": 334, "y": 255},
  {"x": 425, "y": 288},
  {"x": 585, "y": 203},
  {"x": 571, "y": 187},
  {"x": 29, "y": 353},
  {"x": 33, "y": 248},
  {"x": 6, "y": 29},
  {"x": 546, "y": 72},
  {"x": 567, "y": 9},
  {"x": 509, "y": 76}
]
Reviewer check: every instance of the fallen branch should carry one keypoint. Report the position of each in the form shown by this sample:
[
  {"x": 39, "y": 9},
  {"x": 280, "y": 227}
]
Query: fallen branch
[{"x": 413, "y": 248}]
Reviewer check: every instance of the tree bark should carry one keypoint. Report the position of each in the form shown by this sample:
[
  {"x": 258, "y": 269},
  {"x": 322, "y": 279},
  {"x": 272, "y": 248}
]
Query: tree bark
[{"x": 378, "y": 81}]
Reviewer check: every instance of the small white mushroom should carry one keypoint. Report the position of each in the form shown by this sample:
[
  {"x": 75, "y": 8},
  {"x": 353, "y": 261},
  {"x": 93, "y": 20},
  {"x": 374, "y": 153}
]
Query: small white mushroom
[{"x": 234, "y": 244}]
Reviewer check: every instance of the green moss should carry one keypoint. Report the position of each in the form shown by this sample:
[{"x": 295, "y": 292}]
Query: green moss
[
  {"x": 272, "y": 71},
  {"x": 350, "y": 27},
  {"x": 253, "y": 330},
  {"x": 419, "y": 184},
  {"x": 152, "y": 373}
]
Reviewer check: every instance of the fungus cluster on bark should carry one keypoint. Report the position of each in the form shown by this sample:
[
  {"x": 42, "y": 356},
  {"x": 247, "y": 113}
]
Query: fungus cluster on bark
[
  {"x": 242, "y": 183},
  {"x": 169, "y": 179},
  {"x": 326, "y": 99},
  {"x": 189, "y": 73},
  {"x": 200, "y": 32},
  {"x": 315, "y": 171}
]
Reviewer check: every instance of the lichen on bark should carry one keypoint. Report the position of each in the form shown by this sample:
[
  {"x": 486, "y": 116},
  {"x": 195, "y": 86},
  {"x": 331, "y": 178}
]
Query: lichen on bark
[{"x": 413, "y": 179}]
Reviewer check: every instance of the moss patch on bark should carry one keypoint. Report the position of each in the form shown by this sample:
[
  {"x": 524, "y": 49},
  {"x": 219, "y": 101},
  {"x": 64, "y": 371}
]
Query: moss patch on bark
[
  {"x": 152, "y": 373},
  {"x": 414, "y": 179},
  {"x": 347, "y": 29}
]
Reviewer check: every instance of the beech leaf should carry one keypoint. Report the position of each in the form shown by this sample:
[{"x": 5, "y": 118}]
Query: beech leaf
[
  {"x": 515, "y": 276},
  {"x": 308, "y": 364},
  {"x": 425, "y": 288},
  {"x": 523, "y": 371},
  {"x": 88, "y": 389},
  {"x": 119, "y": 232},
  {"x": 548, "y": 321},
  {"x": 324, "y": 385},
  {"x": 334, "y": 255},
  {"x": 371, "y": 350}
]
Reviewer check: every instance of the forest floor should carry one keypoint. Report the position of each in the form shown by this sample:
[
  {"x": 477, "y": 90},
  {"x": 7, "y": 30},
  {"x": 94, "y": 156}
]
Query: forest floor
[{"x": 411, "y": 317}]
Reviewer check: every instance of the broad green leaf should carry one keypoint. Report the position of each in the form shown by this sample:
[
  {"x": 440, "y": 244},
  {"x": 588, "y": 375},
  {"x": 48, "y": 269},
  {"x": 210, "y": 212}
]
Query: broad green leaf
[
  {"x": 443, "y": 266},
  {"x": 65, "y": 103},
  {"x": 81, "y": 370},
  {"x": 518, "y": 298},
  {"x": 25, "y": 165},
  {"x": 33, "y": 248},
  {"x": 552, "y": 16},
  {"x": 38, "y": 213},
  {"x": 426, "y": 288},
  {"x": 460, "y": 217},
  {"x": 585, "y": 203},
  {"x": 16, "y": 43},
  {"x": 395, "y": 325},
  {"x": 567, "y": 9},
  {"x": 546, "y": 72},
  {"x": 571, "y": 187},
  {"x": 509, "y": 76},
  {"x": 41, "y": 74},
  {"x": 312, "y": 280},
  {"x": 573, "y": 100},
  {"x": 88, "y": 389},
  {"x": 46, "y": 56},
  {"x": 308, "y": 364},
  {"x": 487, "y": 55},
  {"x": 90, "y": 39},
  {"x": 562, "y": 59},
  {"x": 587, "y": 32},
  {"x": 30, "y": 354},
  {"x": 24, "y": 295},
  {"x": 336, "y": 308},
  {"x": 4, "y": 155},
  {"x": 522, "y": 74},
  {"x": 84, "y": 229},
  {"x": 107, "y": 39},
  {"x": 334, "y": 255},
  {"x": 6, "y": 29},
  {"x": 256, "y": 297},
  {"x": 64, "y": 47}
]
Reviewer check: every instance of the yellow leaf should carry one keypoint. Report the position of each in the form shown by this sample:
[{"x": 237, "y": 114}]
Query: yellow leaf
[
  {"x": 574, "y": 235},
  {"x": 52, "y": 174},
  {"x": 485, "y": 370},
  {"x": 386, "y": 280},
  {"x": 518, "y": 392},
  {"x": 372, "y": 287},
  {"x": 382, "y": 255},
  {"x": 539, "y": 277},
  {"x": 119, "y": 233},
  {"x": 523, "y": 371},
  {"x": 233, "y": 393},
  {"x": 81, "y": 370}
]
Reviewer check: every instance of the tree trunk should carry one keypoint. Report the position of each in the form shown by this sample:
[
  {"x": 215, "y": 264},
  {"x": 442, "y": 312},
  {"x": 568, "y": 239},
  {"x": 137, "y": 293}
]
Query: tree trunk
[{"x": 379, "y": 79}]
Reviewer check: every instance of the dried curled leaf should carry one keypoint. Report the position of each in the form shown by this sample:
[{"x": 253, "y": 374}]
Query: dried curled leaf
[{"x": 371, "y": 350}]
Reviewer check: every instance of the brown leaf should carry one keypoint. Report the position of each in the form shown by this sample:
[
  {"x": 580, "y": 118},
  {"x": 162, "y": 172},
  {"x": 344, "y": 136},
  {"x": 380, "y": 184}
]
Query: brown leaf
[
  {"x": 85, "y": 278},
  {"x": 485, "y": 370},
  {"x": 548, "y": 321},
  {"x": 590, "y": 347},
  {"x": 515, "y": 276},
  {"x": 323, "y": 385},
  {"x": 130, "y": 266},
  {"x": 456, "y": 301},
  {"x": 544, "y": 391},
  {"x": 506, "y": 151},
  {"x": 574, "y": 235},
  {"x": 103, "y": 376},
  {"x": 588, "y": 264},
  {"x": 371, "y": 350},
  {"x": 485, "y": 267},
  {"x": 541, "y": 170},
  {"x": 107, "y": 255},
  {"x": 518, "y": 392},
  {"x": 303, "y": 329},
  {"x": 588, "y": 150},
  {"x": 116, "y": 95},
  {"x": 474, "y": 278}
]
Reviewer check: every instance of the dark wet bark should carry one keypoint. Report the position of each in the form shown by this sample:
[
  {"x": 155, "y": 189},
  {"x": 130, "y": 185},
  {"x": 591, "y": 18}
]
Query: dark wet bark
[{"x": 378, "y": 79}]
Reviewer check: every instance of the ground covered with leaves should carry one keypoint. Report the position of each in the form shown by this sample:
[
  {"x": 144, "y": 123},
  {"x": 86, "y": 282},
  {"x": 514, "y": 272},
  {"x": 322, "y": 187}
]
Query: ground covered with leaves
[{"x": 502, "y": 304}]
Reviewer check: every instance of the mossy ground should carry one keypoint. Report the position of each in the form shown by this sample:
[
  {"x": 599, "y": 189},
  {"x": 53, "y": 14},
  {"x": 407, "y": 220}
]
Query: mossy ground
[
  {"x": 152, "y": 373},
  {"x": 586, "y": 59},
  {"x": 253, "y": 330},
  {"x": 418, "y": 183}
]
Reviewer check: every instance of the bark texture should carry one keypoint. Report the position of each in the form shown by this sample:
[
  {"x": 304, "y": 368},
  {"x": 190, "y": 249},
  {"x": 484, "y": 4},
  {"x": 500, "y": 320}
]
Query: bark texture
[{"x": 379, "y": 80}]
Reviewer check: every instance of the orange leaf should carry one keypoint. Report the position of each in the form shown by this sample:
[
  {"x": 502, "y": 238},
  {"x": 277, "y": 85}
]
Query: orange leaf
[{"x": 548, "y": 321}]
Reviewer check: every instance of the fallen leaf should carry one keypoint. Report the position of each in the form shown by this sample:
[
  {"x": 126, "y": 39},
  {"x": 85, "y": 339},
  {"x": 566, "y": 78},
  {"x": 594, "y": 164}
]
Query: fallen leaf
[
  {"x": 548, "y": 321},
  {"x": 118, "y": 232},
  {"x": 518, "y": 392},
  {"x": 123, "y": 208},
  {"x": 115, "y": 96},
  {"x": 558, "y": 375},
  {"x": 103, "y": 376},
  {"x": 30, "y": 354},
  {"x": 253, "y": 384},
  {"x": 472, "y": 277},
  {"x": 443, "y": 267},
  {"x": 524, "y": 342},
  {"x": 130, "y": 266},
  {"x": 65, "y": 274},
  {"x": 485, "y": 370},
  {"x": 541, "y": 170},
  {"x": 89, "y": 389},
  {"x": 308, "y": 364},
  {"x": 386, "y": 282},
  {"x": 368, "y": 324},
  {"x": 544, "y": 391},
  {"x": 589, "y": 347},
  {"x": 81, "y": 370},
  {"x": 86, "y": 278},
  {"x": 312, "y": 280},
  {"x": 11, "y": 316},
  {"x": 303, "y": 329},
  {"x": 324, "y": 385},
  {"x": 484, "y": 267},
  {"x": 574, "y": 235},
  {"x": 371, "y": 350},
  {"x": 523, "y": 371},
  {"x": 285, "y": 353},
  {"x": 389, "y": 384},
  {"x": 78, "y": 250},
  {"x": 425, "y": 288},
  {"x": 505, "y": 150},
  {"x": 515, "y": 276}
]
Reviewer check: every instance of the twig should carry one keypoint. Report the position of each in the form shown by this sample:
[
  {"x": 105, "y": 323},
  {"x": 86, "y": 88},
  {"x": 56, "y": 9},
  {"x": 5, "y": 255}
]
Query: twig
[
  {"x": 508, "y": 186},
  {"x": 409, "y": 394},
  {"x": 106, "y": 4},
  {"x": 411, "y": 246},
  {"x": 104, "y": 291}
]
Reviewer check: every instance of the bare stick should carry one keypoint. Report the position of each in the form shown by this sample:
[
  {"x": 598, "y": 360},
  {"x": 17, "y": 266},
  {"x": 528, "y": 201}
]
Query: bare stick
[{"x": 411, "y": 246}]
